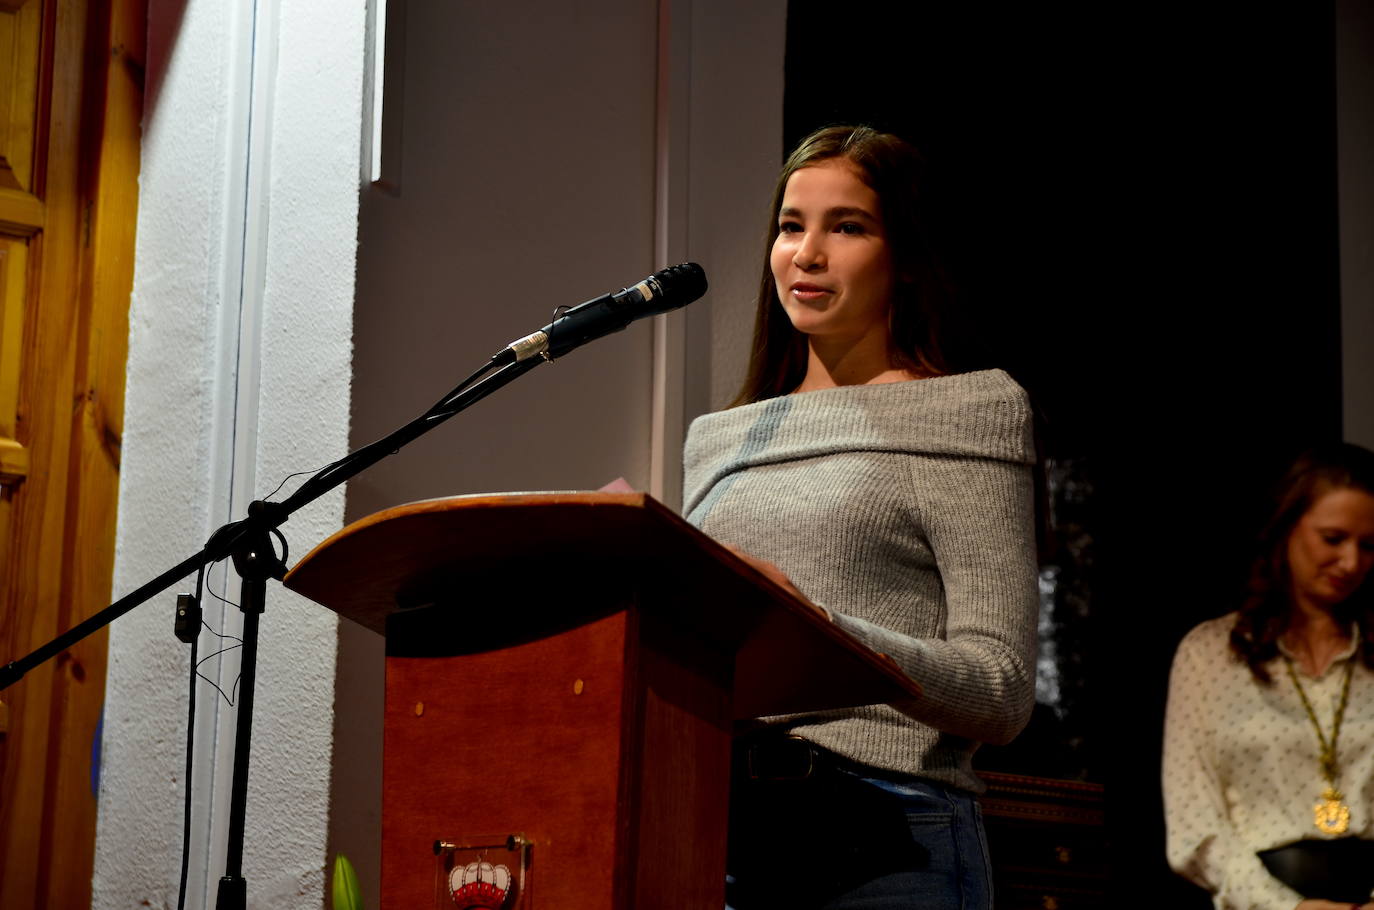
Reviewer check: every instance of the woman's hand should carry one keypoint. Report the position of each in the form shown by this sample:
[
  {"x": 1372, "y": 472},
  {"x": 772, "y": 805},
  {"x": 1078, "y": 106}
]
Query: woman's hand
[
  {"x": 779, "y": 577},
  {"x": 1317, "y": 904}
]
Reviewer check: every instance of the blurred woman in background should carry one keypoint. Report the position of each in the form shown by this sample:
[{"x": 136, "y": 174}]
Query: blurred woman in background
[{"x": 1269, "y": 741}]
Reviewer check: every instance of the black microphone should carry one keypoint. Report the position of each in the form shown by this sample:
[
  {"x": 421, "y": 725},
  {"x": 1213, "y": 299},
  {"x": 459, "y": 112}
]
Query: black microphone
[{"x": 661, "y": 292}]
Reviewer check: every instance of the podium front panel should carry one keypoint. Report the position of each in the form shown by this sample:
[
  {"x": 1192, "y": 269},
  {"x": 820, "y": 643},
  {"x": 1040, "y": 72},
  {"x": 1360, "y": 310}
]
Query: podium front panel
[{"x": 606, "y": 747}]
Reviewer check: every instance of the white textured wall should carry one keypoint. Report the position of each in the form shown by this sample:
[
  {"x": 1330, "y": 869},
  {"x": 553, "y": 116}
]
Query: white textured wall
[
  {"x": 165, "y": 503},
  {"x": 239, "y": 370}
]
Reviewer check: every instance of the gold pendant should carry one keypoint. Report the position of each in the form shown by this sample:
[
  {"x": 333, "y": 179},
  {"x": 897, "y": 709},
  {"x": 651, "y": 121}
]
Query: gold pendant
[{"x": 1331, "y": 816}]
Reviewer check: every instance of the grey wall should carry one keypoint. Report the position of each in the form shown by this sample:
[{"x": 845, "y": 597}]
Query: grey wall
[
  {"x": 527, "y": 182},
  {"x": 736, "y": 151},
  {"x": 533, "y": 138}
]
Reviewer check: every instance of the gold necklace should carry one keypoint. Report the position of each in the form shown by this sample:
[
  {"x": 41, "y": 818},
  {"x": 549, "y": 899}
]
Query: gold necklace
[{"x": 1330, "y": 814}]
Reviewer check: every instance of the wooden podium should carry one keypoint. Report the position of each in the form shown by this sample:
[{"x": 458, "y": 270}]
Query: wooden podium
[{"x": 563, "y": 675}]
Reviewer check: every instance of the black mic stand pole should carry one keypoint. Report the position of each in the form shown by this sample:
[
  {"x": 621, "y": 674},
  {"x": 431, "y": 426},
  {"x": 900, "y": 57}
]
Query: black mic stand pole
[
  {"x": 255, "y": 560},
  {"x": 248, "y": 542}
]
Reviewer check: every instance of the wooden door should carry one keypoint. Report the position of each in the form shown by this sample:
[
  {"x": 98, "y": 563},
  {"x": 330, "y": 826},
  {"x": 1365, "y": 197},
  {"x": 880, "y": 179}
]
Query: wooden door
[{"x": 71, "y": 79}]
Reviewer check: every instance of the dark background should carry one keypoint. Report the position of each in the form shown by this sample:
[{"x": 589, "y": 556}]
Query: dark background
[{"x": 1138, "y": 205}]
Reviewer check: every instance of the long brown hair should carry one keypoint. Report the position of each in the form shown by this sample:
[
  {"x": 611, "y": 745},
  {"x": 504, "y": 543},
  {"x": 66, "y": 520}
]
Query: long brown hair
[
  {"x": 893, "y": 169},
  {"x": 1267, "y": 610}
]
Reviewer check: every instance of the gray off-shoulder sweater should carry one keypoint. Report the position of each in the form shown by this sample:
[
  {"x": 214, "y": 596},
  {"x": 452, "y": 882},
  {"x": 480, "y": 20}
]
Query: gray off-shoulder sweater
[{"x": 905, "y": 508}]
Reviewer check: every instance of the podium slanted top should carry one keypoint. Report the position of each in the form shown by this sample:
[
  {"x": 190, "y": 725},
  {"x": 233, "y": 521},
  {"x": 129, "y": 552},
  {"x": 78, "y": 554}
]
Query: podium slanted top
[{"x": 525, "y": 565}]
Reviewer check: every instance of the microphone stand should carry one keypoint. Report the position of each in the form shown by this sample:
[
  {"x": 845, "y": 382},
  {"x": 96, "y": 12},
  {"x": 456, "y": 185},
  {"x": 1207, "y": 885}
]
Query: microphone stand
[{"x": 248, "y": 542}]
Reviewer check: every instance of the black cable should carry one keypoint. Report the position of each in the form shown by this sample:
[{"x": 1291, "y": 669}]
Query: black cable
[
  {"x": 228, "y": 697},
  {"x": 446, "y": 402},
  {"x": 296, "y": 474},
  {"x": 233, "y": 690},
  {"x": 558, "y": 312},
  {"x": 195, "y": 673},
  {"x": 190, "y": 749},
  {"x": 285, "y": 547},
  {"x": 437, "y": 411},
  {"x": 471, "y": 390},
  {"x": 220, "y": 635},
  {"x": 221, "y": 600},
  {"x": 190, "y": 745}
]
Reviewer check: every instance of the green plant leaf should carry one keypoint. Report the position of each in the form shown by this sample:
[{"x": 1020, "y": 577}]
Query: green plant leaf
[{"x": 346, "y": 893}]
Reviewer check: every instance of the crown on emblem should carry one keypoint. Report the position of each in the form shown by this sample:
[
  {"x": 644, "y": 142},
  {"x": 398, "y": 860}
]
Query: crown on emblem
[{"x": 480, "y": 886}]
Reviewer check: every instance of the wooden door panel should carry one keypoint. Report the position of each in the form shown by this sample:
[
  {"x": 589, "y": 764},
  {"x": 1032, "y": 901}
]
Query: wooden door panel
[
  {"x": 21, "y": 218},
  {"x": 13, "y": 286},
  {"x": 69, "y": 143},
  {"x": 14, "y": 456},
  {"x": 20, "y": 30}
]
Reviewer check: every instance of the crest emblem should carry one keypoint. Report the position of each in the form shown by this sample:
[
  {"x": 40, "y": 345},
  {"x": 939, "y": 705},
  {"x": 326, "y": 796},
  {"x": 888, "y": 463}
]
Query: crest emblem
[
  {"x": 1331, "y": 816},
  {"x": 480, "y": 886}
]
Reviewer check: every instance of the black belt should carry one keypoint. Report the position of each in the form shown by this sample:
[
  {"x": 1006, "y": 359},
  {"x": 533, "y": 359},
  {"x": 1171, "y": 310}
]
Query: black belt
[
  {"x": 788, "y": 758},
  {"x": 1337, "y": 870}
]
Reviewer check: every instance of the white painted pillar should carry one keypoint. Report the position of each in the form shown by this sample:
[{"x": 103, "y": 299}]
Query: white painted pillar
[{"x": 239, "y": 373}]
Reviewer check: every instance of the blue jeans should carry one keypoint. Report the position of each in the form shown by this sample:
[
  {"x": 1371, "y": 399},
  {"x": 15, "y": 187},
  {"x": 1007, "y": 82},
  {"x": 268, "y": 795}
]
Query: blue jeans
[{"x": 845, "y": 841}]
